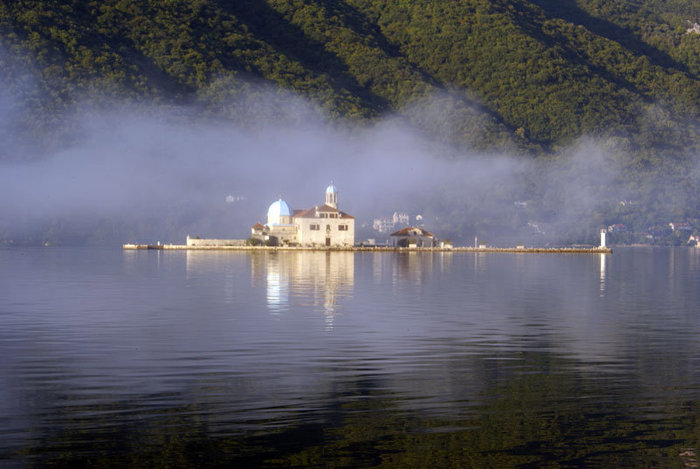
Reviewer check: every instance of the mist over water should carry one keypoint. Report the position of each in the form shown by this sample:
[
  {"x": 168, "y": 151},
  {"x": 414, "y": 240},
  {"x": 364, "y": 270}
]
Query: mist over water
[{"x": 140, "y": 174}]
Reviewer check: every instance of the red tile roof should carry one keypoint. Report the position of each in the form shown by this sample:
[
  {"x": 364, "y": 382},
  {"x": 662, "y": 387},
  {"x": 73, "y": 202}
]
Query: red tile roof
[
  {"x": 311, "y": 213},
  {"x": 412, "y": 231}
]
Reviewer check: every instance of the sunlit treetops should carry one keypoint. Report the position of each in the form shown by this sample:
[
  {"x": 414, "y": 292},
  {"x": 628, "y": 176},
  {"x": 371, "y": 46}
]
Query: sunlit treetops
[{"x": 531, "y": 74}]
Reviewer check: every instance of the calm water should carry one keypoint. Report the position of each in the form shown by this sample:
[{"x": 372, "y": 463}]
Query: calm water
[{"x": 182, "y": 359}]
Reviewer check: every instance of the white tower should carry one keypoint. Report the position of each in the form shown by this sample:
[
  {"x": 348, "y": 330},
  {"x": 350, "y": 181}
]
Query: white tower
[
  {"x": 602, "y": 237},
  {"x": 332, "y": 196}
]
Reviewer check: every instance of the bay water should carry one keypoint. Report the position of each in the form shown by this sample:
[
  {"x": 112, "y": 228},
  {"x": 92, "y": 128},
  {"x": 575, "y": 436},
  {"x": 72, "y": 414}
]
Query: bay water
[{"x": 341, "y": 359}]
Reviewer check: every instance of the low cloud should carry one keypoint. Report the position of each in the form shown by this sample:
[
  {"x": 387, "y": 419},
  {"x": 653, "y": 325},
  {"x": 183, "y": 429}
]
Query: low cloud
[{"x": 136, "y": 174}]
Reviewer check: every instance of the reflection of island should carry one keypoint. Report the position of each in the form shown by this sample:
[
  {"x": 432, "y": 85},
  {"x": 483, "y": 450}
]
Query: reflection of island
[
  {"x": 412, "y": 267},
  {"x": 415, "y": 267},
  {"x": 217, "y": 270},
  {"x": 277, "y": 287},
  {"x": 312, "y": 279},
  {"x": 603, "y": 259}
]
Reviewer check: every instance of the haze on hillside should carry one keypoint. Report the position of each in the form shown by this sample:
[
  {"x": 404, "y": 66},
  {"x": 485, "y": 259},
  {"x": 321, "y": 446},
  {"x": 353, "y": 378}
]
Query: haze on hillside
[{"x": 147, "y": 174}]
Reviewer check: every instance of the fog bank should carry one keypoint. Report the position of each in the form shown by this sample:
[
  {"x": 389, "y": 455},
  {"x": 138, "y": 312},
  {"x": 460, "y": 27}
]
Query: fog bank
[{"x": 146, "y": 174}]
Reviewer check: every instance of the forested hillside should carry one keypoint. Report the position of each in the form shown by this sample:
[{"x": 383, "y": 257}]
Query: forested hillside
[
  {"x": 541, "y": 71},
  {"x": 526, "y": 76}
]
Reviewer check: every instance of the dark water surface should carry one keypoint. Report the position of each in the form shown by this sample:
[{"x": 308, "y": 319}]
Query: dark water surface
[{"x": 193, "y": 359}]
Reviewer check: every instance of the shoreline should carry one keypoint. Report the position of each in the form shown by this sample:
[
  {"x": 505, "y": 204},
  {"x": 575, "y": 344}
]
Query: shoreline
[{"x": 181, "y": 247}]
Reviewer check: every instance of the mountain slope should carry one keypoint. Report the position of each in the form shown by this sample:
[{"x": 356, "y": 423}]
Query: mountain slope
[{"x": 521, "y": 72}]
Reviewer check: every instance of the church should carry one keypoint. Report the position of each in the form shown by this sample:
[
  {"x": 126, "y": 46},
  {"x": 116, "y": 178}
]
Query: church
[{"x": 323, "y": 225}]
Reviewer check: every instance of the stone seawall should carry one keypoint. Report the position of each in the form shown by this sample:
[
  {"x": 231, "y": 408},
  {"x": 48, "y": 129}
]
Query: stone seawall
[
  {"x": 169, "y": 247},
  {"x": 208, "y": 242}
]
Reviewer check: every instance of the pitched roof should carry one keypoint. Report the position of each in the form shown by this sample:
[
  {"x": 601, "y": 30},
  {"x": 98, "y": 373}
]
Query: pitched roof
[
  {"x": 311, "y": 213},
  {"x": 258, "y": 226},
  {"x": 412, "y": 231}
]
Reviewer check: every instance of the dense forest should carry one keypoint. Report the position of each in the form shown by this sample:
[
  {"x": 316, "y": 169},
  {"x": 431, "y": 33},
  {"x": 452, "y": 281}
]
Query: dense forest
[{"x": 527, "y": 77}]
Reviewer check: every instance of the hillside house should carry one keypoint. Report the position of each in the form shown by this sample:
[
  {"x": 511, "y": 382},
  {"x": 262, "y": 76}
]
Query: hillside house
[
  {"x": 681, "y": 226},
  {"x": 617, "y": 228}
]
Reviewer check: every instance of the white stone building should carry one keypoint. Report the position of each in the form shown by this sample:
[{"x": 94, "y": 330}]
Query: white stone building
[{"x": 323, "y": 225}]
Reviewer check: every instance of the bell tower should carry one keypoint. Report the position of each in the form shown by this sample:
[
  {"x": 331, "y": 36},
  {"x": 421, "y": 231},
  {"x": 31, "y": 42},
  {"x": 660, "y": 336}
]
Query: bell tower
[{"x": 332, "y": 196}]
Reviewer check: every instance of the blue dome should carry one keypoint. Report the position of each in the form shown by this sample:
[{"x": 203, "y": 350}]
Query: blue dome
[
  {"x": 331, "y": 189},
  {"x": 277, "y": 209}
]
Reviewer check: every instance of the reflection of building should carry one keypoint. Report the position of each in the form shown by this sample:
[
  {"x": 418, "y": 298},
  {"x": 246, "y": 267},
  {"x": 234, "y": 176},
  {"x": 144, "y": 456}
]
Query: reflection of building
[
  {"x": 323, "y": 225},
  {"x": 413, "y": 236},
  {"x": 277, "y": 286},
  {"x": 314, "y": 279},
  {"x": 413, "y": 267},
  {"x": 409, "y": 268},
  {"x": 288, "y": 280}
]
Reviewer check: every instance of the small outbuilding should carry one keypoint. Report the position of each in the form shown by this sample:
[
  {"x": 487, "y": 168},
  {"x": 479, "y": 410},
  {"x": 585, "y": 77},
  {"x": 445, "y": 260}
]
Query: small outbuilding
[{"x": 413, "y": 236}]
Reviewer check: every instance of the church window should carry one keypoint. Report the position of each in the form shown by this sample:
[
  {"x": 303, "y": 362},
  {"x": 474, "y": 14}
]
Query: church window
[
  {"x": 342, "y": 227},
  {"x": 314, "y": 227}
]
